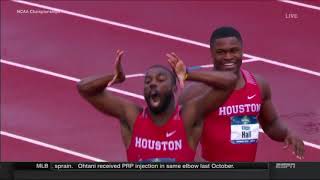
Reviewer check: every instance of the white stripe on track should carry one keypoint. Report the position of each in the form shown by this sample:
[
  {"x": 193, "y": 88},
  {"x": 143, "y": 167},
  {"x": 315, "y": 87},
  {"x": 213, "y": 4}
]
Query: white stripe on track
[{"x": 50, "y": 146}]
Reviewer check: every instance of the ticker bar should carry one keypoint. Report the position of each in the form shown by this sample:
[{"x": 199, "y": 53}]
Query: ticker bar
[
  {"x": 113, "y": 166},
  {"x": 141, "y": 171}
]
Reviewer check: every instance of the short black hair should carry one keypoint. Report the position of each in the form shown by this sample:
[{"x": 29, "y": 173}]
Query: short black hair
[
  {"x": 223, "y": 32},
  {"x": 172, "y": 74}
]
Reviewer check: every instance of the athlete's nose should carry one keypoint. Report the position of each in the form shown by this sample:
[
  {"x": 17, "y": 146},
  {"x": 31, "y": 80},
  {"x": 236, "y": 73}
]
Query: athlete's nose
[
  {"x": 228, "y": 56},
  {"x": 153, "y": 85}
]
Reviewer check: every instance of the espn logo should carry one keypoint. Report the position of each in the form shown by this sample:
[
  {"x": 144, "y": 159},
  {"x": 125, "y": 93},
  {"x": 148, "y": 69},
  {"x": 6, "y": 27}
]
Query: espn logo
[{"x": 285, "y": 165}]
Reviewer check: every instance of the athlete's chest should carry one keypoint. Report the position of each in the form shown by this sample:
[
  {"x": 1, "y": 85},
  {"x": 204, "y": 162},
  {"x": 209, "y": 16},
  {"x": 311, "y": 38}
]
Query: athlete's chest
[
  {"x": 171, "y": 130},
  {"x": 240, "y": 112},
  {"x": 246, "y": 101}
]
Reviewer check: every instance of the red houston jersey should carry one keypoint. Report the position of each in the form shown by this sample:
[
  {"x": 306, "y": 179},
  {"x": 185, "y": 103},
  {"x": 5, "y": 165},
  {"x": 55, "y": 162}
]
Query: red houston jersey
[
  {"x": 231, "y": 132},
  {"x": 152, "y": 143}
]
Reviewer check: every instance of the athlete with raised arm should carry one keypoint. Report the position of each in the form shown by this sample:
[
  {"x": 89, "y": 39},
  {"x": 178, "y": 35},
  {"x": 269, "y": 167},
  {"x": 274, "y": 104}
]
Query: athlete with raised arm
[{"x": 162, "y": 131}]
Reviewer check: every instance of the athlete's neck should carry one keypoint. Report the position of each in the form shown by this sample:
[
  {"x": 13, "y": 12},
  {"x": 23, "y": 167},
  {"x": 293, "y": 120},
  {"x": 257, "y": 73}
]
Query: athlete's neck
[{"x": 162, "y": 118}]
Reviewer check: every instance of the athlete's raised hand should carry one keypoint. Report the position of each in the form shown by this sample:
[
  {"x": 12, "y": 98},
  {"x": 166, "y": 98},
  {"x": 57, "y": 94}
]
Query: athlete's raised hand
[
  {"x": 178, "y": 66},
  {"x": 119, "y": 75}
]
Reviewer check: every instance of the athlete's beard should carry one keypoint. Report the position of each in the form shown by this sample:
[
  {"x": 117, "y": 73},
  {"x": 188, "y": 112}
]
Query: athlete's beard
[{"x": 165, "y": 102}]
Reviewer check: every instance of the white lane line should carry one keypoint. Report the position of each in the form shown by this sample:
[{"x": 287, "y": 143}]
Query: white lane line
[
  {"x": 50, "y": 146},
  {"x": 126, "y": 26},
  {"x": 39, "y": 70},
  {"x": 301, "y": 4},
  {"x": 65, "y": 77},
  {"x": 316, "y": 146},
  {"x": 113, "y": 89},
  {"x": 134, "y": 75},
  {"x": 290, "y": 67}
]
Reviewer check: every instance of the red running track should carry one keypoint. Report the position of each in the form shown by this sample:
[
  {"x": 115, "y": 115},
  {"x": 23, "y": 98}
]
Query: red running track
[{"x": 49, "y": 109}]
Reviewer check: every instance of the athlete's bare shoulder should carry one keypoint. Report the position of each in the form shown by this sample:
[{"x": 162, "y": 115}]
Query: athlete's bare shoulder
[
  {"x": 264, "y": 86},
  {"x": 192, "y": 90}
]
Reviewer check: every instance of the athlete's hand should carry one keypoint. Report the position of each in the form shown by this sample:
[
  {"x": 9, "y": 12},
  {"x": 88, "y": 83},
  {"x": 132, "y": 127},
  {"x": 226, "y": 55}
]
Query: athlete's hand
[
  {"x": 178, "y": 67},
  {"x": 296, "y": 143},
  {"x": 119, "y": 75}
]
